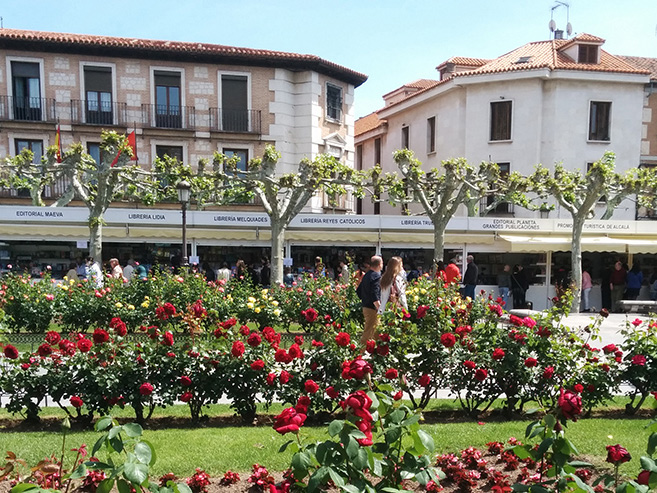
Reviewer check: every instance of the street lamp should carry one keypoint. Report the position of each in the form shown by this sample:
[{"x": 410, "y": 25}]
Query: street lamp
[{"x": 183, "y": 188}]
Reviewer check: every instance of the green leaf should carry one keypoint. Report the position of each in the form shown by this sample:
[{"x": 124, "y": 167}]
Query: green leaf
[
  {"x": 534, "y": 429},
  {"x": 350, "y": 488},
  {"x": 652, "y": 443},
  {"x": 300, "y": 462},
  {"x": 105, "y": 486},
  {"x": 117, "y": 444},
  {"x": 21, "y": 487},
  {"x": 335, "y": 477},
  {"x": 427, "y": 440},
  {"x": 114, "y": 431},
  {"x": 133, "y": 430},
  {"x": 579, "y": 463},
  {"x": 352, "y": 447},
  {"x": 123, "y": 486},
  {"x": 137, "y": 474},
  {"x": 143, "y": 453},
  {"x": 181, "y": 488},
  {"x": 360, "y": 461},
  {"x": 103, "y": 423},
  {"x": 549, "y": 421},
  {"x": 396, "y": 416},
  {"x": 521, "y": 451},
  {"x": 544, "y": 446},
  {"x": 99, "y": 443},
  {"x": 335, "y": 427},
  {"x": 393, "y": 434},
  {"x": 80, "y": 472},
  {"x": 648, "y": 464},
  {"x": 153, "y": 452},
  {"x": 318, "y": 479},
  {"x": 284, "y": 446}
]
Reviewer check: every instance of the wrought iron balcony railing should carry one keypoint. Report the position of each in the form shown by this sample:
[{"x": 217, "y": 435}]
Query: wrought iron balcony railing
[
  {"x": 27, "y": 109},
  {"x": 92, "y": 112},
  {"x": 240, "y": 121},
  {"x": 166, "y": 116}
]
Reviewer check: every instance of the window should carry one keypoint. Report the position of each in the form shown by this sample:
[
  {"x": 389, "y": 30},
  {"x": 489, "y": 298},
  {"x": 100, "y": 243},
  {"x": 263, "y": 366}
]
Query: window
[
  {"x": 168, "y": 112},
  {"x": 503, "y": 207},
  {"x": 98, "y": 95},
  {"x": 234, "y": 103},
  {"x": 93, "y": 149},
  {"x": 36, "y": 146},
  {"x": 333, "y": 102},
  {"x": 599, "y": 121},
  {"x": 242, "y": 154},
  {"x": 500, "y": 120},
  {"x": 27, "y": 91},
  {"x": 405, "y": 139},
  {"x": 377, "y": 160},
  {"x": 175, "y": 152},
  {"x": 431, "y": 134},
  {"x": 587, "y": 54}
]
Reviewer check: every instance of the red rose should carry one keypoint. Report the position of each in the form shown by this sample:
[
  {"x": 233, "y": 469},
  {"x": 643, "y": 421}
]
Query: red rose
[
  {"x": 281, "y": 356},
  {"x": 317, "y": 343},
  {"x": 332, "y": 393},
  {"x": 342, "y": 339},
  {"x": 391, "y": 374},
  {"x": 84, "y": 345},
  {"x": 11, "y": 352},
  {"x": 186, "y": 397},
  {"x": 185, "y": 381},
  {"x": 244, "y": 329},
  {"x": 617, "y": 455},
  {"x": 424, "y": 380},
  {"x": 76, "y": 402},
  {"x": 359, "y": 403},
  {"x": 531, "y": 362},
  {"x": 610, "y": 348},
  {"x": 271, "y": 378},
  {"x": 119, "y": 326},
  {"x": 310, "y": 315},
  {"x": 498, "y": 354},
  {"x": 67, "y": 347},
  {"x": 53, "y": 337},
  {"x": 370, "y": 346},
  {"x": 289, "y": 421},
  {"x": 470, "y": 364},
  {"x": 383, "y": 350},
  {"x": 604, "y": 313},
  {"x": 548, "y": 373},
  {"x": 311, "y": 387},
  {"x": 145, "y": 389},
  {"x": 254, "y": 340},
  {"x": 284, "y": 377},
  {"x": 303, "y": 403},
  {"x": 570, "y": 404},
  {"x": 100, "y": 336},
  {"x": 578, "y": 387},
  {"x": 238, "y": 349},
  {"x": 644, "y": 478},
  {"x": 295, "y": 352},
  {"x": 398, "y": 395},
  {"x": 590, "y": 388},
  {"x": 258, "y": 365},
  {"x": 639, "y": 360},
  {"x": 366, "y": 428},
  {"x": 357, "y": 369},
  {"x": 44, "y": 350},
  {"x": 167, "y": 339},
  {"x": 481, "y": 374},
  {"x": 422, "y": 311},
  {"x": 448, "y": 340}
]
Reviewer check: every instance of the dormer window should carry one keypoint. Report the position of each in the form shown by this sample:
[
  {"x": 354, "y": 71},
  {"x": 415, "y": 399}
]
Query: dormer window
[{"x": 587, "y": 53}]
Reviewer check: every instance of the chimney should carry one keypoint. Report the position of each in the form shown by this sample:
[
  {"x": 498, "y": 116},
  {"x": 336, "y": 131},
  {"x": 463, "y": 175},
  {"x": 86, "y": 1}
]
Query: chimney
[{"x": 558, "y": 34}]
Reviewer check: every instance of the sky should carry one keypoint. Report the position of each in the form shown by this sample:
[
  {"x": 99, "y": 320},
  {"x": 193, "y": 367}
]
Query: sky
[{"x": 392, "y": 41}]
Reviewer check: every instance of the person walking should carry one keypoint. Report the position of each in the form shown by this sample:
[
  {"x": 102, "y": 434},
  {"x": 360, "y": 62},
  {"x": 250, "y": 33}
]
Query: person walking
[
  {"x": 223, "y": 273},
  {"x": 470, "y": 278},
  {"x": 393, "y": 286},
  {"x": 633, "y": 281},
  {"x": 519, "y": 287},
  {"x": 129, "y": 269},
  {"x": 369, "y": 292},
  {"x": 504, "y": 283},
  {"x": 94, "y": 273}
]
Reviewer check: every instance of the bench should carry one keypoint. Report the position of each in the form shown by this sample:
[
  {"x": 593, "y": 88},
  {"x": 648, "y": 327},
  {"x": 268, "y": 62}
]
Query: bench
[{"x": 642, "y": 306}]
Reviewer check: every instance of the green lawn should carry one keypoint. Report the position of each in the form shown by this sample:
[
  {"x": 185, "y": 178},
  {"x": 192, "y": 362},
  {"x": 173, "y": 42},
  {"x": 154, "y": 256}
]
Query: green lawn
[{"x": 217, "y": 449}]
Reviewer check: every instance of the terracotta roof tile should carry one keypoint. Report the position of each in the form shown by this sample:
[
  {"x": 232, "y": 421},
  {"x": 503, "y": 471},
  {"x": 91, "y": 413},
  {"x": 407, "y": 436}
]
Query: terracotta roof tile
[
  {"x": 421, "y": 83},
  {"x": 549, "y": 54},
  {"x": 229, "y": 53},
  {"x": 587, "y": 38},
  {"x": 467, "y": 61},
  {"x": 367, "y": 123},
  {"x": 649, "y": 64}
]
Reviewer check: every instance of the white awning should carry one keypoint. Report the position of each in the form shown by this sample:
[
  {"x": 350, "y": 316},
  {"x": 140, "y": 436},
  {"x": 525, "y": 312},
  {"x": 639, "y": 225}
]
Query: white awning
[{"x": 524, "y": 243}]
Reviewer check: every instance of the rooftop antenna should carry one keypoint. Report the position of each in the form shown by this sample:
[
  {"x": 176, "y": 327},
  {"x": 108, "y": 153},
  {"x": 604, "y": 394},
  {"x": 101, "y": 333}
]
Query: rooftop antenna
[{"x": 558, "y": 33}]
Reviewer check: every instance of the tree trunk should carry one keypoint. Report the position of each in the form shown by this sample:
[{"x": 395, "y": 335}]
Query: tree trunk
[
  {"x": 277, "y": 251},
  {"x": 96, "y": 239},
  {"x": 576, "y": 261},
  {"x": 438, "y": 241}
]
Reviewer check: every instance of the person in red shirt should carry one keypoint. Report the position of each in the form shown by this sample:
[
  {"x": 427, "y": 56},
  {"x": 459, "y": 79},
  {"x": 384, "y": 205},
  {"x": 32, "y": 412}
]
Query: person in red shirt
[
  {"x": 617, "y": 284},
  {"x": 452, "y": 273}
]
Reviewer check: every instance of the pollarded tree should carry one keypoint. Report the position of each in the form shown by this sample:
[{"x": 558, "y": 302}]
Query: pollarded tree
[
  {"x": 283, "y": 196},
  {"x": 578, "y": 193},
  {"x": 442, "y": 191},
  {"x": 95, "y": 184}
]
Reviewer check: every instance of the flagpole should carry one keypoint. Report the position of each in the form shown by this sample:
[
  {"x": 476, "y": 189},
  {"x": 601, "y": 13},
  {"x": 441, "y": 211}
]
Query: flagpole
[{"x": 134, "y": 126}]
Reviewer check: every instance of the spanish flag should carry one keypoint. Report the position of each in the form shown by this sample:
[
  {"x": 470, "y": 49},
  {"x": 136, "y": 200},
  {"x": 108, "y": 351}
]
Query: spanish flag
[
  {"x": 58, "y": 143},
  {"x": 132, "y": 143}
]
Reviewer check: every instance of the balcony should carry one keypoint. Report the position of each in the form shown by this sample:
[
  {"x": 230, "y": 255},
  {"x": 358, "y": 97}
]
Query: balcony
[
  {"x": 162, "y": 116},
  {"x": 52, "y": 191},
  {"x": 27, "y": 109},
  {"x": 90, "y": 112},
  {"x": 238, "y": 121}
]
